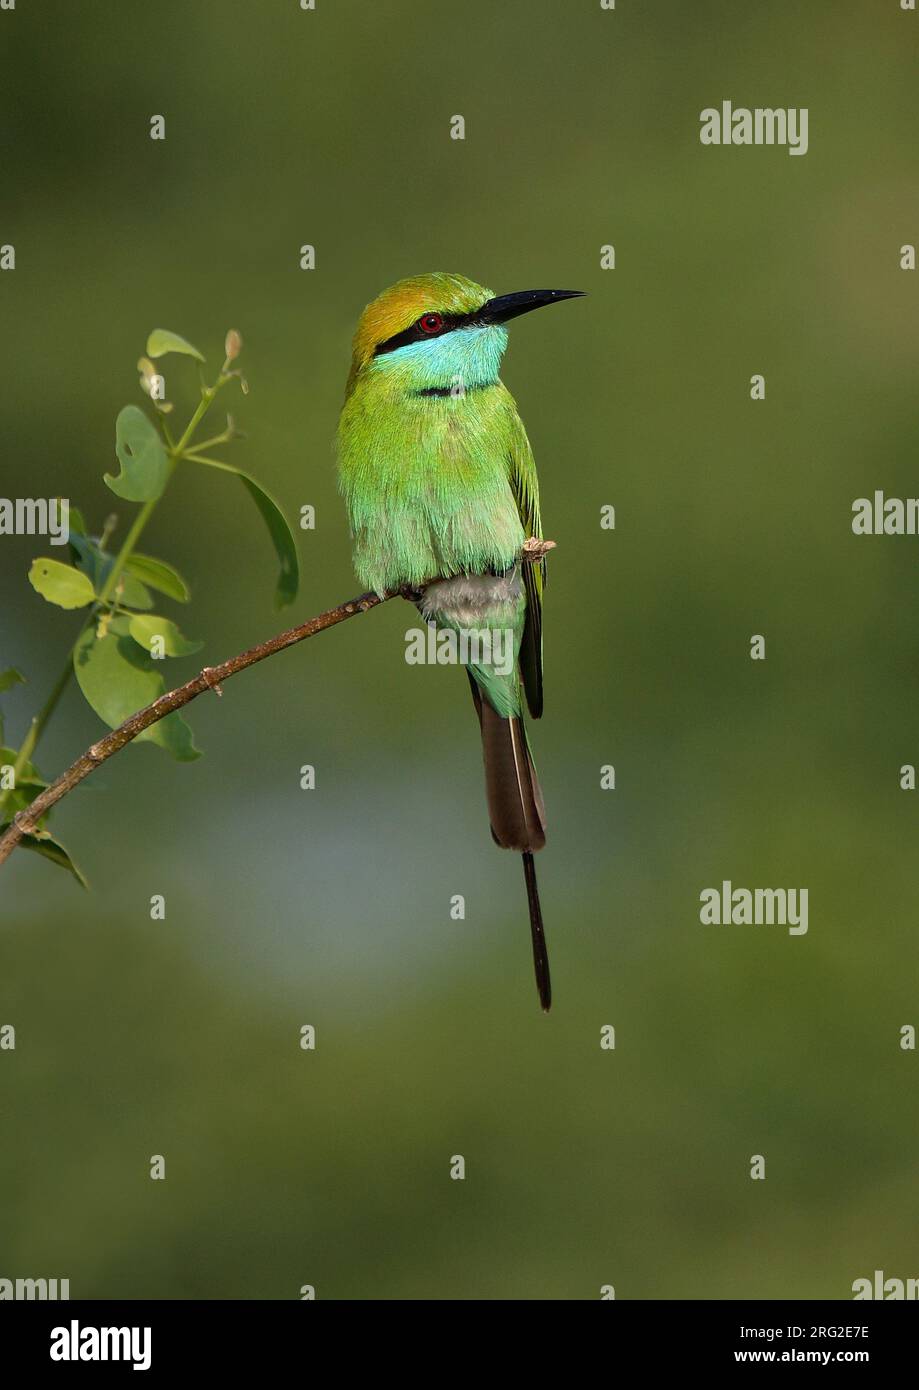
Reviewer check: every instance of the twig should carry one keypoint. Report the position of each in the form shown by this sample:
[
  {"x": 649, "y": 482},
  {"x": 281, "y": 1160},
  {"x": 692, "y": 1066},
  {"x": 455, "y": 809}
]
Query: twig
[
  {"x": 211, "y": 678},
  {"x": 110, "y": 588}
]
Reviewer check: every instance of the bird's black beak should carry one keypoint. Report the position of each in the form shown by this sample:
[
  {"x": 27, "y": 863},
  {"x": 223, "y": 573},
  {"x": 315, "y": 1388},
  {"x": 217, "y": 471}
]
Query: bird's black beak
[{"x": 510, "y": 306}]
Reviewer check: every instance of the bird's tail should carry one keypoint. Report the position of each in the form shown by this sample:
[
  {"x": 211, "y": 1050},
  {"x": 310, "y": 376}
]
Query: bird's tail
[
  {"x": 516, "y": 812},
  {"x": 515, "y": 805},
  {"x": 540, "y": 953}
]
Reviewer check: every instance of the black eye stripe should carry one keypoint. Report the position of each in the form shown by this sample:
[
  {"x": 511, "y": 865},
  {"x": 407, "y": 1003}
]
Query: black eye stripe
[{"x": 414, "y": 334}]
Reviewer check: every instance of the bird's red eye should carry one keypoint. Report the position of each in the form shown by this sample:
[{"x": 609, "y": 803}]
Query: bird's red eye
[{"x": 431, "y": 323}]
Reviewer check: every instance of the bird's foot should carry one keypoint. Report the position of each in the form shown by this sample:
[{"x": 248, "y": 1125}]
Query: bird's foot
[{"x": 535, "y": 550}]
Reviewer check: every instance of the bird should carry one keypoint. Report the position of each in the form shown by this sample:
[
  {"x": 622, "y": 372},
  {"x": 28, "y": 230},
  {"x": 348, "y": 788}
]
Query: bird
[{"x": 442, "y": 497}]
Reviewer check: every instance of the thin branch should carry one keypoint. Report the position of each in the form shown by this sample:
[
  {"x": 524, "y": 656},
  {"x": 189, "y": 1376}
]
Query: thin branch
[{"x": 211, "y": 678}]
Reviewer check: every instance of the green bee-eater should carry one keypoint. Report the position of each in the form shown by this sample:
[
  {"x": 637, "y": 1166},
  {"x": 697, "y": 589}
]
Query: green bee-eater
[{"x": 441, "y": 489}]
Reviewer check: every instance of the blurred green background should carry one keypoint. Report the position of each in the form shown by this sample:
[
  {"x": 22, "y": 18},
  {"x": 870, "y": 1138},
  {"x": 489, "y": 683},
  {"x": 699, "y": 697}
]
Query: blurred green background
[{"x": 331, "y": 907}]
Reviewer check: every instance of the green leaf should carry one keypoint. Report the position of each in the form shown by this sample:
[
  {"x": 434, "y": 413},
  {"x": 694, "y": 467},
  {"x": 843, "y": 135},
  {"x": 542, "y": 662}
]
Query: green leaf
[
  {"x": 11, "y": 677},
  {"x": 143, "y": 459},
  {"x": 282, "y": 538},
  {"x": 162, "y": 341},
  {"x": 97, "y": 565},
  {"x": 159, "y": 576},
  {"x": 146, "y": 628},
  {"x": 87, "y": 557},
  {"x": 29, "y": 783},
  {"x": 23, "y": 796},
  {"x": 61, "y": 584},
  {"x": 281, "y": 535},
  {"x": 131, "y": 593},
  {"x": 29, "y": 773},
  {"x": 118, "y": 679},
  {"x": 75, "y": 520},
  {"x": 52, "y": 849}
]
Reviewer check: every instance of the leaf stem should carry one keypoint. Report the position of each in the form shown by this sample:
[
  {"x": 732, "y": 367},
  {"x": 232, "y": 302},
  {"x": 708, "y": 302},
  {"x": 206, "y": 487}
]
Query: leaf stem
[
  {"x": 37, "y": 726},
  {"x": 176, "y": 453},
  {"x": 192, "y": 456},
  {"x": 224, "y": 438},
  {"x": 208, "y": 394}
]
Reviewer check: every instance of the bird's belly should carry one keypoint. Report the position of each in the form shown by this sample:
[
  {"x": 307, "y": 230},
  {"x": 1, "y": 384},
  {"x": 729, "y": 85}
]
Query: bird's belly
[
  {"x": 475, "y": 600},
  {"x": 429, "y": 529},
  {"x": 486, "y": 614}
]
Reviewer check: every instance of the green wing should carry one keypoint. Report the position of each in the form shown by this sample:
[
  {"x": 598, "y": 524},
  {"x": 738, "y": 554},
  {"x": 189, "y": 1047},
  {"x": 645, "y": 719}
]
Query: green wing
[{"x": 525, "y": 487}]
